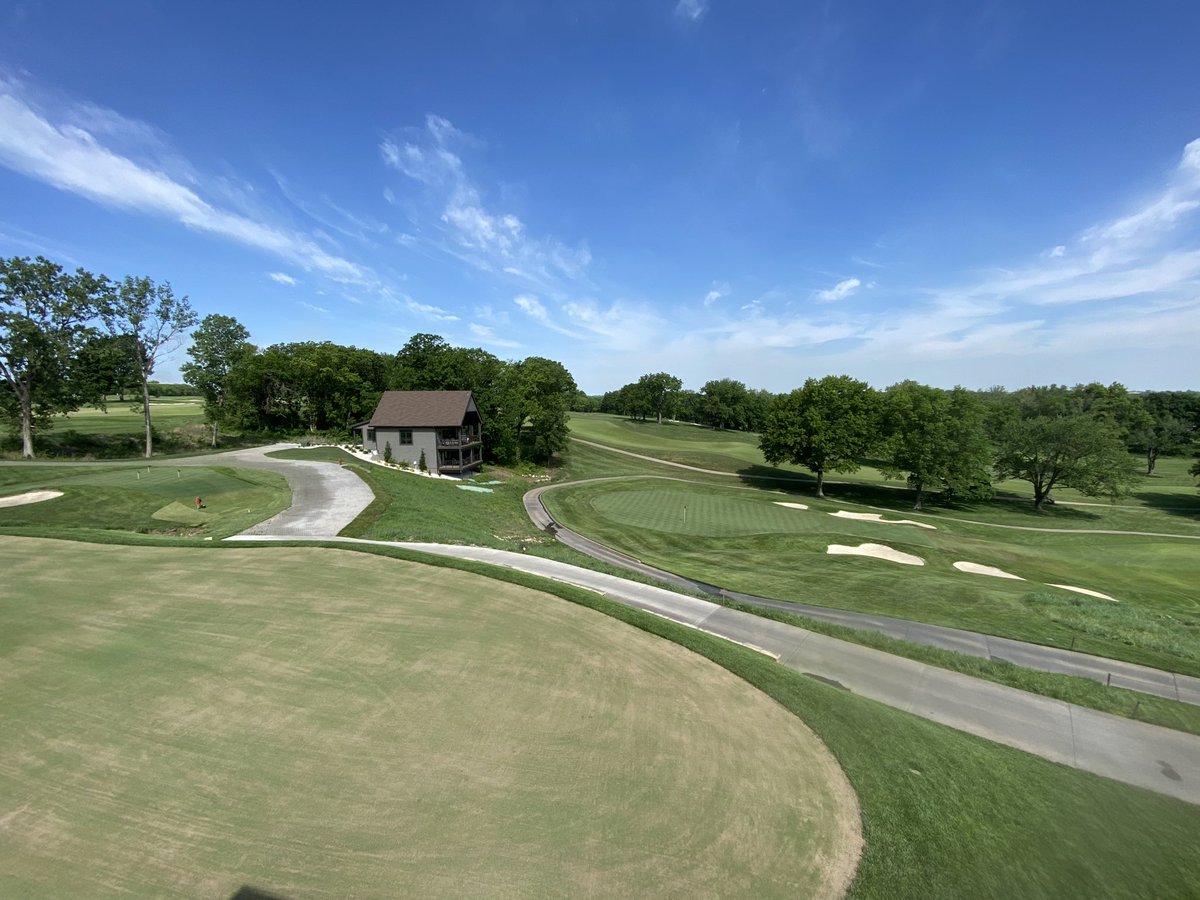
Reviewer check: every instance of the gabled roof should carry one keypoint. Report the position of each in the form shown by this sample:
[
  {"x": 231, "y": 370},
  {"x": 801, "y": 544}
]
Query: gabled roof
[{"x": 423, "y": 409}]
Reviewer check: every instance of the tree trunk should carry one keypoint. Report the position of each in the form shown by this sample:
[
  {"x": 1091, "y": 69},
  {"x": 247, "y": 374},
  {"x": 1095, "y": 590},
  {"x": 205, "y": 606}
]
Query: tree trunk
[
  {"x": 820, "y": 482},
  {"x": 26, "y": 400},
  {"x": 1151, "y": 458},
  {"x": 920, "y": 488},
  {"x": 214, "y": 433},
  {"x": 146, "y": 415},
  {"x": 660, "y": 417}
]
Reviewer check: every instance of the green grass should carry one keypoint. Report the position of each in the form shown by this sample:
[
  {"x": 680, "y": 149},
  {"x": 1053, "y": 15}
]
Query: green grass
[
  {"x": 944, "y": 814},
  {"x": 314, "y": 722},
  {"x": 118, "y": 432},
  {"x": 409, "y": 507},
  {"x": 739, "y": 538},
  {"x": 412, "y": 508},
  {"x": 1167, "y": 501},
  {"x": 127, "y": 498}
]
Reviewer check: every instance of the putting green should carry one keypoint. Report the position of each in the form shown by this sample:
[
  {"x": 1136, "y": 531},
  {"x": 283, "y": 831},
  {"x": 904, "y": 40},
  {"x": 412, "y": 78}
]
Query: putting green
[{"x": 319, "y": 722}]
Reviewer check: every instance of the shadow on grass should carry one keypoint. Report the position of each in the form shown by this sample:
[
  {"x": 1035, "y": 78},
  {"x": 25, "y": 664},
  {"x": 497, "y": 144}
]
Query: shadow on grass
[
  {"x": 900, "y": 498},
  {"x": 1175, "y": 504}
]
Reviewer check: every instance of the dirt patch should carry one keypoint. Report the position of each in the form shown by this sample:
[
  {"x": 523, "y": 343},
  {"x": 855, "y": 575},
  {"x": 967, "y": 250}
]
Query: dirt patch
[
  {"x": 977, "y": 569},
  {"x": 29, "y": 497},
  {"x": 878, "y": 517},
  {"x": 876, "y": 551}
]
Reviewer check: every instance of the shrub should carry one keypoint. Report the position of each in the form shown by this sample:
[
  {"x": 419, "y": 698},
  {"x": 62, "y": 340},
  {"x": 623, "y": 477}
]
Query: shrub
[
  {"x": 387, "y": 452},
  {"x": 421, "y": 463}
]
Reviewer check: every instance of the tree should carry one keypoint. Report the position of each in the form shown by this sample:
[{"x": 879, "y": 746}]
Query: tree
[
  {"x": 105, "y": 364},
  {"x": 661, "y": 389},
  {"x": 44, "y": 320},
  {"x": 724, "y": 404},
  {"x": 1073, "y": 450},
  {"x": 826, "y": 426},
  {"x": 156, "y": 320},
  {"x": 1169, "y": 429},
  {"x": 537, "y": 394},
  {"x": 935, "y": 438},
  {"x": 217, "y": 346}
]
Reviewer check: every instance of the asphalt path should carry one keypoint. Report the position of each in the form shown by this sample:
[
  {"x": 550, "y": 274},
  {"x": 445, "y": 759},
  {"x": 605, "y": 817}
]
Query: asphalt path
[
  {"x": 1148, "y": 756},
  {"x": 1116, "y": 673},
  {"x": 326, "y": 498}
]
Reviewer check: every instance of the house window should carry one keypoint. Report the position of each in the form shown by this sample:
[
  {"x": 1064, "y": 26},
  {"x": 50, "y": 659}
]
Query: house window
[
  {"x": 370, "y": 435},
  {"x": 405, "y": 436}
]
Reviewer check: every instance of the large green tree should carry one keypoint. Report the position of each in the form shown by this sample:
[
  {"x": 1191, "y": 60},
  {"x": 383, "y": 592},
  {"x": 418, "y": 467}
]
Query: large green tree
[
  {"x": 827, "y": 425},
  {"x": 1171, "y": 426},
  {"x": 724, "y": 403},
  {"x": 1049, "y": 442},
  {"x": 155, "y": 320},
  {"x": 661, "y": 390},
  {"x": 534, "y": 405},
  {"x": 935, "y": 439},
  {"x": 218, "y": 345},
  {"x": 45, "y": 316}
]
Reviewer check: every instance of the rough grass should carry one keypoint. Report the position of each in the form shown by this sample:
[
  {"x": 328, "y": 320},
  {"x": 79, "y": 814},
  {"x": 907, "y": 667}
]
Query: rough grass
[
  {"x": 127, "y": 497},
  {"x": 315, "y": 722}
]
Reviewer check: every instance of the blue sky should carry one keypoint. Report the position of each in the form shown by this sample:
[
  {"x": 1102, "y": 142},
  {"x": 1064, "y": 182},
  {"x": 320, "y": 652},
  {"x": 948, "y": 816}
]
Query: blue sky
[{"x": 993, "y": 193}]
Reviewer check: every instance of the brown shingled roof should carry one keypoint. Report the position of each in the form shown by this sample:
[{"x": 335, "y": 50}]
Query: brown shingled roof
[{"x": 421, "y": 409}]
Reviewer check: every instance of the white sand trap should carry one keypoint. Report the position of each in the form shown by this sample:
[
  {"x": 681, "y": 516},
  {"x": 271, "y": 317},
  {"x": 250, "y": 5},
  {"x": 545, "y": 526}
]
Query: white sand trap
[
  {"x": 791, "y": 505},
  {"x": 977, "y": 569},
  {"x": 877, "y": 551},
  {"x": 29, "y": 497},
  {"x": 1067, "y": 587},
  {"x": 878, "y": 517}
]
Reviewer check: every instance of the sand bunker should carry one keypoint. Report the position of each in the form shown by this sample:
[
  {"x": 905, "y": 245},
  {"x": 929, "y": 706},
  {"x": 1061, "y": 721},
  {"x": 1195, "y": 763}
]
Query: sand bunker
[
  {"x": 791, "y": 505},
  {"x": 1079, "y": 590},
  {"x": 29, "y": 497},
  {"x": 877, "y": 551},
  {"x": 977, "y": 569},
  {"x": 878, "y": 517}
]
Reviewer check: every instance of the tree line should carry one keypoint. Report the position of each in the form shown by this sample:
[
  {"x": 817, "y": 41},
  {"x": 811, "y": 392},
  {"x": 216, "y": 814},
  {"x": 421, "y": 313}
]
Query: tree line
[
  {"x": 69, "y": 340},
  {"x": 954, "y": 442}
]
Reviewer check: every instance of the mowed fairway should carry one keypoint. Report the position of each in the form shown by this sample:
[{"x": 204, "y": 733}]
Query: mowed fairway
[
  {"x": 318, "y": 722},
  {"x": 743, "y": 539}
]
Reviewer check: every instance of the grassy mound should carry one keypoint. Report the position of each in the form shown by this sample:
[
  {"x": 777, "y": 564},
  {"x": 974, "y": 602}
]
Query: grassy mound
[{"x": 316, "y": 722}]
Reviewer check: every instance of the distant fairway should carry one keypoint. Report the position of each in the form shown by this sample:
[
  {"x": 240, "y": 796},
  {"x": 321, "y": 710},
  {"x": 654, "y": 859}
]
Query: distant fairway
[
  {"x": 316, "y": 722},
  {"x": 740, "y": 538}
]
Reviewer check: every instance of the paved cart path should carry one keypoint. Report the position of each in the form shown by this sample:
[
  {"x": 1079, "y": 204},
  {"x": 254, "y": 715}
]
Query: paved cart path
[{"x": 1131, "y": 676}]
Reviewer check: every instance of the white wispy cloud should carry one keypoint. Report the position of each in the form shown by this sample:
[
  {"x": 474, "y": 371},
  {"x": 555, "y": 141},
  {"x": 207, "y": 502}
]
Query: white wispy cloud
[
  {"x": 839, "y": 291},
  {"x": 283, "y": 278},
  {"x": 492, "y": 240},
  {"x": 716, "y": 292},
  {"x": 57, "y": 151},
  {"x": 487, "y": 336},
  {"x": 691, "y": 10}
]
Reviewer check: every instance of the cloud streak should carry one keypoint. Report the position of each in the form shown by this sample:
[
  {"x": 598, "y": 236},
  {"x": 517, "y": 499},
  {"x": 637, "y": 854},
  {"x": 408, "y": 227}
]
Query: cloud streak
[
  {"x": 73, "y": 159},
  {"x": 487, "y": 239}
]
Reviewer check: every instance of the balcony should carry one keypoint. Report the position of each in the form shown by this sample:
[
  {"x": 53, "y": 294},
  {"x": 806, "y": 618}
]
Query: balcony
[{"x": 458, "y": 438}]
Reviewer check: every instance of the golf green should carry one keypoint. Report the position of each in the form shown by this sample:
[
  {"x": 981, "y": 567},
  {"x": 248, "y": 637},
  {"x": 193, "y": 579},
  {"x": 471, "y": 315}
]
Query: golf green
[{"x": 317, "y": 722}]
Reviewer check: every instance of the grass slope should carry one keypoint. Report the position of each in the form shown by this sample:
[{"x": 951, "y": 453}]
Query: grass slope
[
  {"x": 312, "y": 722},
  {"x": 945, "y": 814}
]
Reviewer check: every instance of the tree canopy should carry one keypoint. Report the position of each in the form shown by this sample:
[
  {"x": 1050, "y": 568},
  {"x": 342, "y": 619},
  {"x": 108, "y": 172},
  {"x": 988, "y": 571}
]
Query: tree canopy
[
  {"x": 827, "y": 425},
  {"x": 935, "y": 438},
  {"x": 153, "y": 320},
  {"x": 45, "y": 318}
]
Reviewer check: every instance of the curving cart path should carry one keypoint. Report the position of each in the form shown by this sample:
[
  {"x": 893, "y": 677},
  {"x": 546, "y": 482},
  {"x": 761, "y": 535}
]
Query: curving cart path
[{"x": 1160, "y": 759}]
